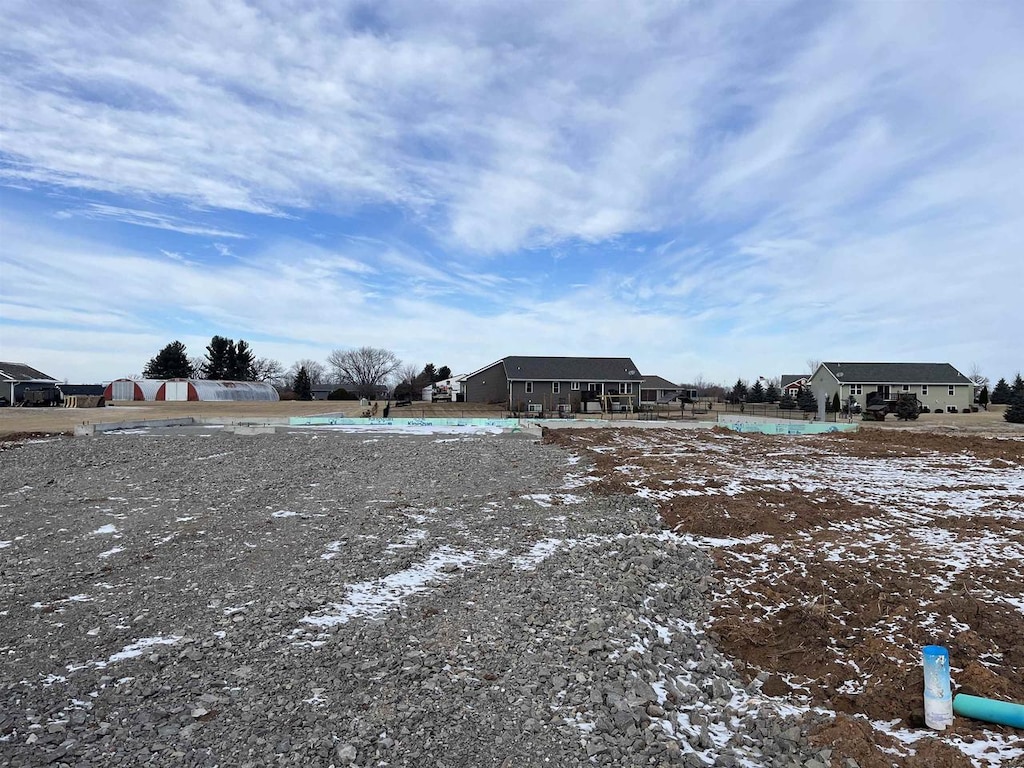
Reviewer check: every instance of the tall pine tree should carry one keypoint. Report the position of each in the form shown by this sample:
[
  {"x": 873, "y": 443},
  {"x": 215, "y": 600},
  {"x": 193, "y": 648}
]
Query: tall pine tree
[
  {"x": 171, "y": 362},
  {"x": 243, "y": 364},
  {"x": 756, "y": 393},
  {"x": 218, "y": 352}
]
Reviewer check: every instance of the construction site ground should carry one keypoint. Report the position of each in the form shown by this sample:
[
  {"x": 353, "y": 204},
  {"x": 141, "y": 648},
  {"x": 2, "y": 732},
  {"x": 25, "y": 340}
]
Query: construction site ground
[{"x": 838, "y": 556}]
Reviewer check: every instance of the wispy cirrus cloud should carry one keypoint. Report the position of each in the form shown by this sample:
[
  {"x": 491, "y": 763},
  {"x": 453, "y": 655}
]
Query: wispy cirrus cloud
[{"x": 143, "y": 218}]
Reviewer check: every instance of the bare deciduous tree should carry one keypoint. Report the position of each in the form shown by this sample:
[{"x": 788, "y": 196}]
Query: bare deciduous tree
[
  {"x": 316, "y": 371},
  {"x": 977, "y": 376},
  {"x": 368, "y": 368},
  {"x": 269, "y": 370},
  {"x": 812, "y": 366}
]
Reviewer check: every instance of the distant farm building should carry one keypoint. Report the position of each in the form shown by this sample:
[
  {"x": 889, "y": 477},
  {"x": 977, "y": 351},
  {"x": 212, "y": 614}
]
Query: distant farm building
[
  {"x": 182, "y": 390},
  {"x": 16, "y": 377}
]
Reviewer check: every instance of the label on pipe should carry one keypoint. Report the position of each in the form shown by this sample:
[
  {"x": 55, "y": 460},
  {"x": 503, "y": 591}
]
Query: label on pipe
[{"x": 938, "y": 701}]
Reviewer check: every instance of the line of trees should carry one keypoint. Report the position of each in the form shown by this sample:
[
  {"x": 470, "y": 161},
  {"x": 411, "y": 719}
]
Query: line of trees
[
  {"x": 225, "y": 359},
  {"x": 362, "y": 372}
]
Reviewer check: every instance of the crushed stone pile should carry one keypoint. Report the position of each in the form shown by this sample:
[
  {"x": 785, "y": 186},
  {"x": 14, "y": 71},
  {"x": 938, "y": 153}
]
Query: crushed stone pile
[{"x": 193, "y": 597}]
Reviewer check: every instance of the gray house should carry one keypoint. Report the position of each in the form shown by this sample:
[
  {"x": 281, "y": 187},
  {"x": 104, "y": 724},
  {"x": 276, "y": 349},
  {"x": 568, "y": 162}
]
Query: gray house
[
  {"x": 939, "y": 386},
  {"x": 16, "y": 377},
  {"x": 556, "y": 383},
  {"x": 658, "y": 390}
]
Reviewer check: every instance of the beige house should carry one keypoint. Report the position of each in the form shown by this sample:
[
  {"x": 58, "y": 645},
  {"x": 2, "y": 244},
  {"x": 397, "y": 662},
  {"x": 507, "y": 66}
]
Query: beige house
[{"x": 939, "y": 386}]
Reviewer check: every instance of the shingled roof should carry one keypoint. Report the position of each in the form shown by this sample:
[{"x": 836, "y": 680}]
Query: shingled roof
[
  {"x": 14, "y": 372},
  {"x": 896, "y": 373},
  {"x": 656, "y": 382},
  {"x": 521, "y": 368}
]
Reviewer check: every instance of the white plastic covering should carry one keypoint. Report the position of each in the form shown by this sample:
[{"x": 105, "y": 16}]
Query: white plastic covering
[{"x": 233, "y": 390}]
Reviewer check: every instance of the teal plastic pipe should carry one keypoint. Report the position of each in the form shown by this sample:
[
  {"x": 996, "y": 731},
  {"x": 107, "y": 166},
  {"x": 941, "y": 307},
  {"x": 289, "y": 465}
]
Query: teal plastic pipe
[{"x": 1002, "y": 712}]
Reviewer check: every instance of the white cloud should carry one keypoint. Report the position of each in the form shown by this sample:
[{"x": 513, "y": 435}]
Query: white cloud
[{"x": 725, "y": 189}]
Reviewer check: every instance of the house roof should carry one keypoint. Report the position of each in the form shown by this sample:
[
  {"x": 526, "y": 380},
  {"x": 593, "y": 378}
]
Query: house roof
[
  {"x": 896, "y": 373},
  {"x": 520, "y": 368},
  {"x": 21, "y": 372},
  {"x": 656, "y": 382},
  {"x": 791, "y": 378}
]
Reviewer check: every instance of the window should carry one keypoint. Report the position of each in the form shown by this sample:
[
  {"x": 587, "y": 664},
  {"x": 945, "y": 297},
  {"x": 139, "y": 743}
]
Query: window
[
  {"x": 924, "y": 389},
  {"x": 574, "y": 385},
  {"x": 906, "y": 387},
  {"x": 952, "y": 390},
  {"x": 535, "y": 407},
  {"x": 529, "y": 387},
  {"x": 592, "y": 387},
  {"x": 626, "y": 388},
  {"x": 556, "y": 387},
  {"x": 855, "y": 389}
]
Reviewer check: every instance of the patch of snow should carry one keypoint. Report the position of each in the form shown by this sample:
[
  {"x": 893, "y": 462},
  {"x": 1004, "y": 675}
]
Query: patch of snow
[
  {"x": 109, "y": 552},
  {"x": 107, "y": 529},
  {"x": 370, "y": 599}
]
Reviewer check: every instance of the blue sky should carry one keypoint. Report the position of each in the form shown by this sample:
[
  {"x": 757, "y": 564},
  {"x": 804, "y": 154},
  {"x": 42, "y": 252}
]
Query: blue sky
[{"x": 717, "y": 190}]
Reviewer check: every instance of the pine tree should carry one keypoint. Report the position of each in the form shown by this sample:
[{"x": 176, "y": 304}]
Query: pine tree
[
  {"x": 171, "y": 362},
  {"x": 243, "y": 364},
  {"x": 806, "y": 400},
  {"x": 983, "y": 397},
  {"x": 444, "y": 372},
  {"x": 1001, "y": 393},
  {"x": 756, "y": 393},
  {"x": 1015, "y": 413},
  {"x": 1017, "y": 389},
  {"x": 771, "y": 393},
  {"x": 836, "y": 406},
  {"x": 217, "y": 353},
  {"x": 787, "y": 403},
  {"x": 302, "y": 387},
  {"x": 739, "y": 392}
]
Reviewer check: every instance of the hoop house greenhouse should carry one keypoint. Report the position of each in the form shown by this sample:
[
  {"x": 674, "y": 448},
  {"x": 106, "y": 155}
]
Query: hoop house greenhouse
[{"x": 189, "y": 390}]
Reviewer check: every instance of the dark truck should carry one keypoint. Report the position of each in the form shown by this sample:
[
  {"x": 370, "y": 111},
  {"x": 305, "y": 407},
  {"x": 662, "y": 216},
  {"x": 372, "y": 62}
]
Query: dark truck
[{"x": 905, "y": 406}]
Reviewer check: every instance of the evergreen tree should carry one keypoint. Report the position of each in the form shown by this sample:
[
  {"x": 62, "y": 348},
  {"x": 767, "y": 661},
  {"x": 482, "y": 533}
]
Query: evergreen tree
[
  {"x": 739, "y": 392},
  {"x": 771, "y": 393},
  {"x": 444, "y": 372},
  {"x": 756, "y": 393},
  {"x": 217, "y": 358},
  {"x": 805, "y": 399},
  {"x": 243, "y": 364},
  {"x": 836, "y": 406},
  {"x": 1015, "y": 413},
  {"x": 302, "y": 387},
  {"x": 1016, "y": 389},
  {"x": 428, "y": 375},
  {"x": 1001, "y": 393},
  {"x": 983, "y": 397},
  {"x": 171, "y": 362},
  {"x": 786, "y": 402}
]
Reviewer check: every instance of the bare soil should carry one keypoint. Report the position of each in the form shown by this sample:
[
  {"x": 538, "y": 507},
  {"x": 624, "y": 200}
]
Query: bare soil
[{"x": 840, "y": 556}]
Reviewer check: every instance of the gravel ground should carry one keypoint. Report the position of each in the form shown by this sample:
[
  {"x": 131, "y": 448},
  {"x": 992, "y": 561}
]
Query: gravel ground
[{"x": 194, "y": 597}]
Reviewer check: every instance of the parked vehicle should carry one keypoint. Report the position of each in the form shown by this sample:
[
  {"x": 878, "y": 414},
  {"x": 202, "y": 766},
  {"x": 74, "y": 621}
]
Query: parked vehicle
[{"x": 41, "y": 396}]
